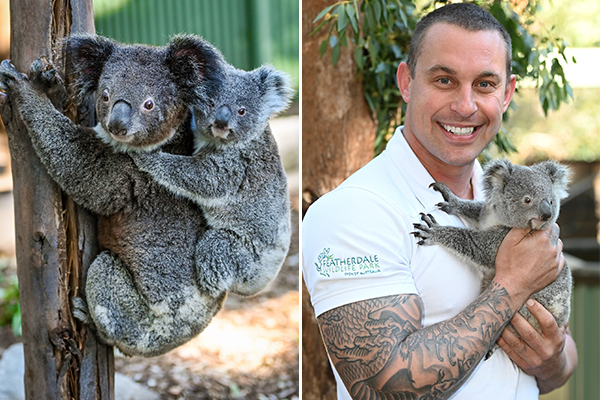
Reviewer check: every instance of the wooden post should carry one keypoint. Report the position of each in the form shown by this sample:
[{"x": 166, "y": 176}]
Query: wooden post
[{"x": 55, "y": 239}]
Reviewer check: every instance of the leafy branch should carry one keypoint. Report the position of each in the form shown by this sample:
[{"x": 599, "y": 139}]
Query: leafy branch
[{"x": 380, "y": 31}]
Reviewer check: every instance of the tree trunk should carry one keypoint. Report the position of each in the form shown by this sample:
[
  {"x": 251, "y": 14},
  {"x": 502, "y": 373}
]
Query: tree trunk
[
  {"x": 338, "y": 130},
  {"x": 338, "y": 134},
  {"x": 55, "y": 239}
]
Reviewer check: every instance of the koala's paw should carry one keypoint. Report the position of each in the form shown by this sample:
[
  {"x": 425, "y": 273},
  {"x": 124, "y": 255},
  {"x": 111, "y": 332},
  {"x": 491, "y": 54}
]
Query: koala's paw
[
  {"x": 44, "y": 77},
  {"x": 427, "y": 232},
  {"x": 10, "y": 77},
  {"x": 81, "y": 311},
  {"x": 450, "y": 204}
]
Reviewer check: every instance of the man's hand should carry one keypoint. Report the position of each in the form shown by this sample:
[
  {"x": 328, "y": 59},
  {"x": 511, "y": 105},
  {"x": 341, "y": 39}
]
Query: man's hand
[
  {"x": 550, "y": 356},
  {"x": 527, "y": 261}
]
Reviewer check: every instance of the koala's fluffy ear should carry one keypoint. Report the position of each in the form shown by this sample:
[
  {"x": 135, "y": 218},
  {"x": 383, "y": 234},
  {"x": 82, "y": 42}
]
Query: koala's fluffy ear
[
  {"x": 276, "y": 90},
  {"x": 86, "y": 56},
  {"x": 559, "y": 174},
  {"x": 197, "y": 67},
  {"x": 496, "y": 175}
]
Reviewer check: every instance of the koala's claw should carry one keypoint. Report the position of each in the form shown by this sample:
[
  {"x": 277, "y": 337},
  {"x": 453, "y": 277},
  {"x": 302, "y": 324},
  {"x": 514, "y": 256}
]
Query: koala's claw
[
  {"x": 443, "y": 189},
  {"x": 445, "y": 207},
  {"x": 425, "y": 231},
  {"x": 42, "y": 70},
  {"x": 45, "y": 76}
]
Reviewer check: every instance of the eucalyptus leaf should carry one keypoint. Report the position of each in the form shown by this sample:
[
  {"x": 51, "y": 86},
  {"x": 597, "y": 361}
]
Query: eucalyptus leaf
[
  {"x": 342, "y": 20},
  {"x": 323, "y": 12},
  {"x": 335, "y": 54},
  {"x": 352, "y": 17}
]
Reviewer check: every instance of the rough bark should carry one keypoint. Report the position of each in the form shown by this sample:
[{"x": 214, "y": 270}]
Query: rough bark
[
  {"x": 55, "y": 239},
  {"x": 338, "y": 133}
]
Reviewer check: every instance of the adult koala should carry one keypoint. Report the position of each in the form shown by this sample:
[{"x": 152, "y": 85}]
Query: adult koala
[{"x": 141, "y": 290}]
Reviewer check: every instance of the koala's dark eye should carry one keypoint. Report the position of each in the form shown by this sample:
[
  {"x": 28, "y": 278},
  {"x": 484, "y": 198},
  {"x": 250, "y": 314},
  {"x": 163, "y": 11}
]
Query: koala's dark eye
[
  {"x": 149, "y": 105},
  {"x": 526, "y": 199},
  {"x": 241, "y": 111},
  {"x": 105, "y": 96}
]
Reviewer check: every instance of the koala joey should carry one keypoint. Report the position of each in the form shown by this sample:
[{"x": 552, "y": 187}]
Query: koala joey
[
  {"x": 141, "y": 292},
  {"x": 237, "y": 178},
  {"x": 515, "y": 197}
]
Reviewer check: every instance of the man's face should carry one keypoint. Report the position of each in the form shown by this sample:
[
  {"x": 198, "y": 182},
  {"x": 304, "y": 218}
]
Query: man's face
[{"x": 458, "y": 94}]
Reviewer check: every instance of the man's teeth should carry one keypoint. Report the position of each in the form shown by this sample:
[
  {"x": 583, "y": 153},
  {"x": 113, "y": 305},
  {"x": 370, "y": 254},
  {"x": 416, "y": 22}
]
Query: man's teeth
[{"x": 456, "y": 130}]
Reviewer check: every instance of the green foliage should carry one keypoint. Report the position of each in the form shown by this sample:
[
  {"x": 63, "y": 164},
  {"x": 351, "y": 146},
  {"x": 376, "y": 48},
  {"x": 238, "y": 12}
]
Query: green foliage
[
  {"x": 381, "y": 30},
  {"x": 10, "y": 308}
]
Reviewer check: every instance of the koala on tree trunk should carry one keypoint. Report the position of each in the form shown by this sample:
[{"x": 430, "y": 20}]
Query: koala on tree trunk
[
  {"x": 515, "y": 197},
  {"x": 143, "y": 291}
]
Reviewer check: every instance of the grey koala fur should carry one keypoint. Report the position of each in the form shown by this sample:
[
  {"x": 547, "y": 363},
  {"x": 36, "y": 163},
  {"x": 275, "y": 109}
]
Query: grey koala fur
[
  {"x": 142, "y": 291},
  {"x": 515, "y": 197},
  {"x": 237, "y": 177}
]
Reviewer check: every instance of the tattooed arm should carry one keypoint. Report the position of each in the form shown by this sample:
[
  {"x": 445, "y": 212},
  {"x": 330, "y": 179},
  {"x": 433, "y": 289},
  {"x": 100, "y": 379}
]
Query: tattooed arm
[{"x": 380, "y": 350}]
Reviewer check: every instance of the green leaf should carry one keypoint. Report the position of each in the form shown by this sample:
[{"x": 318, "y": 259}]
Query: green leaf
[
  {"x": 351, "y": 16},
  {"x": 381, "y": 67},
  {"x": 343, "y": 39},
  {"x": 333, "y": 41},
  {"x": 343, "y": 20},
  {"x": 377, "y": 11},
  {"x": 335, "y": 54},
  {"x": 569, "y": 90},
  {"x": 358, "y": 57},
  {"x": 318, "y": 28},
  {"x": 323, "y": 47},
  {"x": 323, "y": 12}
]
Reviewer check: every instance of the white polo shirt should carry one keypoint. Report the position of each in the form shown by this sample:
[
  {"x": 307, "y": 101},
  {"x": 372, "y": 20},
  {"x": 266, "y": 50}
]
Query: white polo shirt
[{"x": 356, "y": 245}]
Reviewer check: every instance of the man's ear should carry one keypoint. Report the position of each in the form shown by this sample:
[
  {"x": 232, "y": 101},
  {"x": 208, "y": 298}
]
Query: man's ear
[
  {"x": 403, "y": 79},
  {"x": 508, "y": 92}
]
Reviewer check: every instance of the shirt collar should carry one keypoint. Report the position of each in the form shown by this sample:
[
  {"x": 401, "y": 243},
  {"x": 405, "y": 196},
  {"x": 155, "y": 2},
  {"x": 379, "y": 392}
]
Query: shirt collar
[{"x": 417, "y": 177}]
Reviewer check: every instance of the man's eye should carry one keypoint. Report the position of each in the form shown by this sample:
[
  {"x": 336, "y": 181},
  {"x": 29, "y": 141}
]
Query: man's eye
[
  {"x": 486, "y": 85},
  {"x": 444, "y": 81}
]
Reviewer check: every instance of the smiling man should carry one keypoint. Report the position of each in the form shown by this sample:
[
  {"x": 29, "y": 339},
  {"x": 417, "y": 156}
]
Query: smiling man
[{"x": 406, "y": 321}]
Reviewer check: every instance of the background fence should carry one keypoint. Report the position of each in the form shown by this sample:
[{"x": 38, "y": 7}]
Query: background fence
[{"x": 248, "y": 32}]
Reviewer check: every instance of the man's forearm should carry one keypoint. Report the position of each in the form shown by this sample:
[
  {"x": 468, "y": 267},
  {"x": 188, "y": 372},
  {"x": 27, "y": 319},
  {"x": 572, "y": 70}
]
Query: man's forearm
[{"x": 392, "y": 355}]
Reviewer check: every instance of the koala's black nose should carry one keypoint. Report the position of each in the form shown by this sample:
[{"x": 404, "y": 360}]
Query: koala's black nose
[
  {"x": 222, "y": 117},
  {"x": 120, "y": 115},
  {"x": 545, "y": 211}
]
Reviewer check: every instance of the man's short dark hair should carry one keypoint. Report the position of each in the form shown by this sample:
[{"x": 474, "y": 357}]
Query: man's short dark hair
[{"x": 465, "y": 15}]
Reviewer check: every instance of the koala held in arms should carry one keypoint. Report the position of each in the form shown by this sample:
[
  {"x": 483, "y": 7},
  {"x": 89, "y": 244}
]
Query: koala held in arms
[
  {"x": 142, "y": 290},
  {"x": 237, "y": 178},
  {"x": 515, "y": 197}
]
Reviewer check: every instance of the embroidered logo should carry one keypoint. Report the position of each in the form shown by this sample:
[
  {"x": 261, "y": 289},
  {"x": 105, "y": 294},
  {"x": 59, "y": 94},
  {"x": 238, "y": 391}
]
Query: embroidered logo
[{"x": 327, "y": 264}]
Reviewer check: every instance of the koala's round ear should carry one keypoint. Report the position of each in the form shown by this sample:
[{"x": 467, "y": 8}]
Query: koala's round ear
[
  {"x": 197, "y": 66},
  {"x": 559, "y": 174},
  {"x": 86, "y": 56},
  {"x": 495, "y": 176},
  {"x": 276, "y": 89}
]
